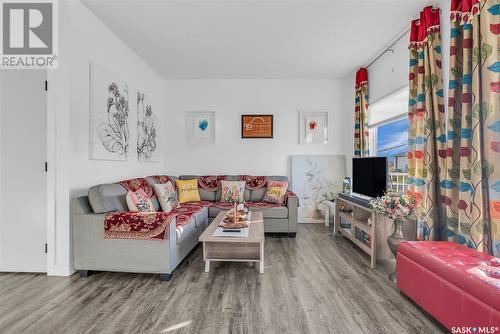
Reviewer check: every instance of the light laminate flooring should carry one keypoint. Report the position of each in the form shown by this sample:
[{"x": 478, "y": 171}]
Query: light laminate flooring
[{"x": 316, "y": 283}]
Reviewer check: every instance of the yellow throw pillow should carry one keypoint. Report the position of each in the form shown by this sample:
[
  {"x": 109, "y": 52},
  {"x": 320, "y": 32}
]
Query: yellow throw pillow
[{"x": 188, "y": 190}]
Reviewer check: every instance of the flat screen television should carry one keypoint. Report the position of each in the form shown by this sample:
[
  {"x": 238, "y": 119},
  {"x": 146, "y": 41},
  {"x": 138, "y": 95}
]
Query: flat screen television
[{"x": 369, "y": 176}]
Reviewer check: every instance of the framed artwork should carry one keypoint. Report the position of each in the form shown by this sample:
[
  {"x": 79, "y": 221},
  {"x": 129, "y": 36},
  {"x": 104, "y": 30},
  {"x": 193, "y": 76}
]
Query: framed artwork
[
  {"x": 201, "y": 127},
  {"x": 313, "y": 127},
  {"x": 146, "y": 129},
  {"x": 256, "y": 126},
  {"x": 109, "y": 112},
  {"x": 316, "y": 178}
]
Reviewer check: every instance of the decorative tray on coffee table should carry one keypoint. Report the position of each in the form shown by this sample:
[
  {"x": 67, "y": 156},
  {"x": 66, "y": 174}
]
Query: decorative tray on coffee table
[{"x": 236, "y": 218}]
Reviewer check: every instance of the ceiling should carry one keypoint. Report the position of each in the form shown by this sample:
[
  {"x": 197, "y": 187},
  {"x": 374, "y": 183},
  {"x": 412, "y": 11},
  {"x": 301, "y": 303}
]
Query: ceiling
[{"x": 255, "y": 39}]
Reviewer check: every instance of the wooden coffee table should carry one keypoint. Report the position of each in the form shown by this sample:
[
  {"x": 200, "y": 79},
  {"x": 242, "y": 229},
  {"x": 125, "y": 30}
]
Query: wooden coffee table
[{"x": 235, "y": 249}]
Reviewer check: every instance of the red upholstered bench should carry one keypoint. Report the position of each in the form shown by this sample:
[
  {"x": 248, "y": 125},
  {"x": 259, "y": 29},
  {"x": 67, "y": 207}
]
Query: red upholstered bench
[{"x": 437, "y": 276}]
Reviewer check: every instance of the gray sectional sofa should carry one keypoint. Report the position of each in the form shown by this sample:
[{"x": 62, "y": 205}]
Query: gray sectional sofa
[{"x": 92, "y": 252}]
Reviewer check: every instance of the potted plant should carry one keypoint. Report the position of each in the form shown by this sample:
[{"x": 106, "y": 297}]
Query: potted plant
[{"x": 400, "y": 207}]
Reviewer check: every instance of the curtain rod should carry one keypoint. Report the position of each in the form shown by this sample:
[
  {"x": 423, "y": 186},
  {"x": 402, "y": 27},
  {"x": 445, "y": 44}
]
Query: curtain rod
[{"x": 389, "y": 48}]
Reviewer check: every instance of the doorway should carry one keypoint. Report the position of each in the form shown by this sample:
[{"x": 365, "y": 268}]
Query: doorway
[{"x": 23, "y": 184}]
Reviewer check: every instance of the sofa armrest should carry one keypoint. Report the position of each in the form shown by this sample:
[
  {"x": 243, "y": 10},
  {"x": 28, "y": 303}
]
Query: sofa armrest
[
  {"x": 292, "y": 204},
  {"x": 93, "y": 252}
]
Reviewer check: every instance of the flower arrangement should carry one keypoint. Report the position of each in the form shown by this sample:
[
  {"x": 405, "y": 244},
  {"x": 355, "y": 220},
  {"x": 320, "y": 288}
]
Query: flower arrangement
[{"x": 398, "y": 206}]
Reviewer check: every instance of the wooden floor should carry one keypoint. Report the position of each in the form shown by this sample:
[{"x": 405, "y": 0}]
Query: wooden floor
[{"x": 308, "y": 287}]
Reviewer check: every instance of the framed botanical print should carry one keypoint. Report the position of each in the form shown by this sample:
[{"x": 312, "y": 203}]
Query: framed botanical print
[
  {"x": 201, "y": 127},
  {"x": 109, "y": 115},
  {"x": 256, "y": 126},
  {"x": 313, "y": 127}
]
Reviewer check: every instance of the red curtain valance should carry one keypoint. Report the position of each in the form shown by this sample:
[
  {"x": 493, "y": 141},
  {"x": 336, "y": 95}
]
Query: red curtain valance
[
  {"x": 462, "y": 10},
  {"x": 428, "y": 22},
  {"x": 361, "y": 77}
]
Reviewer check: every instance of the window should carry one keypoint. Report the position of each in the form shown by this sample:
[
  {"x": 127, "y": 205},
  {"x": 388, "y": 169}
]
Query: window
[
  {"x": 390, "y": 137},
  {"x": 392, "y": 142}
]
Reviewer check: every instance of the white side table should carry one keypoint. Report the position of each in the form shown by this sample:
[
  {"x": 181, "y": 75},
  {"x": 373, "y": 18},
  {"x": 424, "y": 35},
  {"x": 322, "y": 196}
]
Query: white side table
[{"x": 328, "y": 208}]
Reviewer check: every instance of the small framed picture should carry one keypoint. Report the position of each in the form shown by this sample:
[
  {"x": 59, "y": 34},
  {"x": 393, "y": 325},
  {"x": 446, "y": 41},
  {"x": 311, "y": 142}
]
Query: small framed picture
[
  {"x": 256, "y": 126},
  {"x": 313, "y": 127},
  {"x": 201, "y": 127}
]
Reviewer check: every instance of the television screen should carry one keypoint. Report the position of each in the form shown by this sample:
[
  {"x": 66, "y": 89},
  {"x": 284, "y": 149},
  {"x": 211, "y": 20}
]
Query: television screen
[{"x": 369, "y": 176}]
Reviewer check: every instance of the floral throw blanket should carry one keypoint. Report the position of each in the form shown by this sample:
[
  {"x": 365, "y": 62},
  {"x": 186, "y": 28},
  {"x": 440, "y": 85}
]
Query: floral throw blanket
[
  {"x": 210, "y": 182},
  {"x": 148, "y": 225},
  {"x": 160, "y": 179},
  {"x": 154, "y": 225},
  {"x": 136, "y": 184},
  {"x": 137, "y": 225},
  {"x": 253, "y": 182}
]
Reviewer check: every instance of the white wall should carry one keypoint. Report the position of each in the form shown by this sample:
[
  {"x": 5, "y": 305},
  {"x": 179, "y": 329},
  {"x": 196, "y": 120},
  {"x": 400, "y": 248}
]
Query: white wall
[
  {"x": 96, "y": 42},
  {"x": 82, "y": 38},
  {"x": 232, "y": 98}
]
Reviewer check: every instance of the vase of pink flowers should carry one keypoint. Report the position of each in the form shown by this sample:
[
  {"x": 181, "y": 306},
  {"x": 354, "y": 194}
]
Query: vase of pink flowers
[{"x": 400, "y": 207}]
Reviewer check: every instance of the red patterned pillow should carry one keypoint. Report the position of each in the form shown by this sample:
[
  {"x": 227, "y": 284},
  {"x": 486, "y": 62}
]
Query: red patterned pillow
[
  {"x": 275, "y": 192},
  {"x": 138, "y": 201}
]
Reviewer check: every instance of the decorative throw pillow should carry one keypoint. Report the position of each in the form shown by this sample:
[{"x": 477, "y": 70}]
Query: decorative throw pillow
[
  {"x": 167, "y": 196},
  {"x": 275, "y": 192},
  {"x": 188, "y": 190},
  {"x": 138, "y": 201},
  {"x": 232, "y": 191}
]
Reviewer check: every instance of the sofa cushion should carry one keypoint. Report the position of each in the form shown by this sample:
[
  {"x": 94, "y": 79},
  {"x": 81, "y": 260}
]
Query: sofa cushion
[
  {"x": 213, "y": 211},
  {"x": 167, "y": 196},
  {"x": 232, "y": 191},
  {"x": 188, "y": 190},
  {"x": 160, "y": 179},
  {"x": 257, "y": 195},
  {"x": 184, "y": 231},
  {"x": 138, "y": 201},
  {"x": 268, "y": 211},
  {"x": 112, "y": 197},
  {"x": 205, "y": 194},
  {"x": 279, "y": 212},
  {"x": 107, "y": 198},
  {"x": 275, "y": 192},
  {"x": 451, "y": 262},
  {"x": 201, "y": 216}
]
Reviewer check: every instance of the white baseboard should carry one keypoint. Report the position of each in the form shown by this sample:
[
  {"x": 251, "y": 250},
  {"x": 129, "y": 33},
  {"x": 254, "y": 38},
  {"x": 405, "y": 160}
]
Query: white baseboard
[{"x": 62, "y": 270}]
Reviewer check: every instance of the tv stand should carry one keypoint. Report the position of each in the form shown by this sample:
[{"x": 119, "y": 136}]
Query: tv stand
[{"x": 355, "y": 220}]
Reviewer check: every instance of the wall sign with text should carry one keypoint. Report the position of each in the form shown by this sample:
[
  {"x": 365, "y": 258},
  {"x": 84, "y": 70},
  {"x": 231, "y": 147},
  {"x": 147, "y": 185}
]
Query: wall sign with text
[{"x": 256, "y": 126}]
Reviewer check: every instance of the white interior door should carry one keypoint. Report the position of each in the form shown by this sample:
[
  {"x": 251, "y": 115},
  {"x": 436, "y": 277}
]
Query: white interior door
[{"x": 23, "y": 197}]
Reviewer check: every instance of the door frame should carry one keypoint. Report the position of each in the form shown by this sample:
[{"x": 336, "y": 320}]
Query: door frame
[{"x": 59, "y": 236}]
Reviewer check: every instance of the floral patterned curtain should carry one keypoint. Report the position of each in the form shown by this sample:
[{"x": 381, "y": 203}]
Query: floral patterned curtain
[
  {"x": 361, "y": 144},
  {"x": 426, "y": 114},
  {"x": 472, "y": 186}
]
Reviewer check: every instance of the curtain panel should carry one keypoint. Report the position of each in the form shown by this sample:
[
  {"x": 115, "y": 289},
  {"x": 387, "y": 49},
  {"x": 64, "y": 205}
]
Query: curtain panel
[
  {"x": 471, "y": 190},
  {"x": 361, "y": 143},
  {"x": 426, "y": 115}
]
